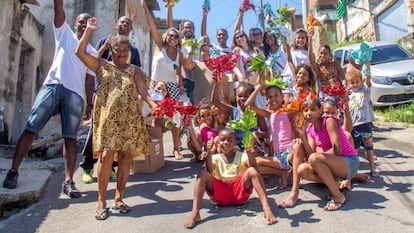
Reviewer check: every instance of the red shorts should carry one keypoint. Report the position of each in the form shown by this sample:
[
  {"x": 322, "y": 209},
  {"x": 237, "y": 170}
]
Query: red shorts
[{"x": 227, "y": 193}]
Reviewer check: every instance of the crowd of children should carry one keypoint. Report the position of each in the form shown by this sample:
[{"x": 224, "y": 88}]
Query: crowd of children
[{"x": 302, "y": 131}]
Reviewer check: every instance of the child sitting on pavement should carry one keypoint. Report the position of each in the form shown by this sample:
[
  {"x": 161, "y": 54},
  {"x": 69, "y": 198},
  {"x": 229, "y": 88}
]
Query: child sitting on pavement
[
  {"x": 205, "y": 132},
  {"x": 330, "y": 107},
  {"x": 280, "y": 129},
  {"x": 229, "y": 179}
]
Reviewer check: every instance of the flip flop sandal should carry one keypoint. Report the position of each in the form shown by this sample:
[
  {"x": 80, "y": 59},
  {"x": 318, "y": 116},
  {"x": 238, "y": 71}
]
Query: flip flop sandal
[
  {"x": 121, "y": 209},
  {"x": 102, "y": 214}
]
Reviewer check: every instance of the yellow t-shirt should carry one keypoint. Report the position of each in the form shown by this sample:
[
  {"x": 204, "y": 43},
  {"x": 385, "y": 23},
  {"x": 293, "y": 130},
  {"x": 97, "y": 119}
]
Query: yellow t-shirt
[{"x": 229, "y": 171}]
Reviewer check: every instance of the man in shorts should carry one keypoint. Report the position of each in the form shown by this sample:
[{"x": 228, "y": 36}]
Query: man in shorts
[{"x": 62, "y": 93}]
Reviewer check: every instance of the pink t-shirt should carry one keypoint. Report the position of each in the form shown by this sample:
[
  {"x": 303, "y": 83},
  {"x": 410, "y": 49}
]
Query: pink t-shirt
[
  {"x": 207, "y": 134},
  {"x": 282, "y": 133},
  {"x": 322, "y": 137}
]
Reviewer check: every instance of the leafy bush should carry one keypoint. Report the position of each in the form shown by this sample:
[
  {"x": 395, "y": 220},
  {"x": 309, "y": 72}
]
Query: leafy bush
[
  {"x": 344, "y": 43},
  {"x": 399, "y": 113}
]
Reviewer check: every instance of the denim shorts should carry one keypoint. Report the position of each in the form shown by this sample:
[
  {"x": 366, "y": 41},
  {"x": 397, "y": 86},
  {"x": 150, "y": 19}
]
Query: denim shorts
[
  {"x": 352, "y": 163},
  {"x": 56, "y": 99},
  {"x": 283, "y": 158}
]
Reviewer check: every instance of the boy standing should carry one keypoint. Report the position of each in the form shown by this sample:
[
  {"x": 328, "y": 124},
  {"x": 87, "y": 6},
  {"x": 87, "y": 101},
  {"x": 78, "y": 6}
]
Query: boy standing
[
  {"x": 229, "y": 179},
  {"x": 361, "y": 112}
]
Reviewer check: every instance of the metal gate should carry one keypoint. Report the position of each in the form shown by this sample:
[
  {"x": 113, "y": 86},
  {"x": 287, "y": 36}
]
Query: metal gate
[{"x": 392, "y": 23}]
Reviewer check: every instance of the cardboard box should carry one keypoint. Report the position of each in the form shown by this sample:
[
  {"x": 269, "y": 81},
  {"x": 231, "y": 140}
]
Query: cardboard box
[
  {"x": 154, "y": 132},
  {"x": 155, "y": 159}
]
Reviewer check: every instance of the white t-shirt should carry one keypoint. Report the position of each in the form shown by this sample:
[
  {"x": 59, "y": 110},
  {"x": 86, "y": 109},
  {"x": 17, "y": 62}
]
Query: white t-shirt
[
  {"x": 67, "y": 69},
  {"x": 163, "y": 67},
  {"x": 360, "y": 107},
  {"x": 222, "y": 50},
  {"x": 300, "y": 56}
]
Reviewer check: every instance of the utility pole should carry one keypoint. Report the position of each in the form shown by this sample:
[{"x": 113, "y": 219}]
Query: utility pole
[
  {"x": 262, "y": 16},
  {"x": 305, "y": 12}
]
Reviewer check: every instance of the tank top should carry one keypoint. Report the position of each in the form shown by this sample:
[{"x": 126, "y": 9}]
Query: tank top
[
  {"x": 163, "y": 67},
  {"x": 282, "y": 133},
  {"x": 322, "y": 139},
  {"x": 229, "y": 171},
  {"x": 207, "y": 134},
  {"x": 300, "y": 56}
]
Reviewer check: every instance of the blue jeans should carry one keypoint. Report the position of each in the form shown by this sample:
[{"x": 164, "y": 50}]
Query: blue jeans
[
  {"x": 189, "y": 89},
  {"x": 56, "y": 99}
]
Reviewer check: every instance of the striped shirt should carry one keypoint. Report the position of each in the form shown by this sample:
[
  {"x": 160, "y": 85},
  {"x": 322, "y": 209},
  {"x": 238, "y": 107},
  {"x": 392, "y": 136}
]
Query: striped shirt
[{"x": 322, "y": 139}]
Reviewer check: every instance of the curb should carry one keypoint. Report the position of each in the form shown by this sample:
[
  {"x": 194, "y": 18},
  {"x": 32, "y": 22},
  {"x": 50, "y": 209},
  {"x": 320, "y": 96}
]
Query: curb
[{"x": 33, "y": 179}]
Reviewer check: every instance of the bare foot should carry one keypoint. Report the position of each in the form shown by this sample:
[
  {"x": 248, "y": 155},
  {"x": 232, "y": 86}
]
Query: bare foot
[
  {"x": 362, "y": 178},
  {"x": 345, "y": 184},
  {"x": 192, "y": 220},
  {"x": 282, "y": 185},
  {"x": 290, "y": 201},
  {"x": 270, "y": 217},
  {"x": 374, "y": 173},
  {"x": 178, "y": 155}
]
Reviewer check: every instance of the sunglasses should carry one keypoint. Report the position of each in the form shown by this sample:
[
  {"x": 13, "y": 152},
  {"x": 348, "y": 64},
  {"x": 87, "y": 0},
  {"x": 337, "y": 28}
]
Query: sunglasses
[
  {"x": 257, "y": 33},
  {"x": 240, "y": 36},
  {"x": 175, "y": 36}
]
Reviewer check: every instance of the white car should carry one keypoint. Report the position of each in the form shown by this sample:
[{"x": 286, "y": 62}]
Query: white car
[{"x": 392, "y": 71}]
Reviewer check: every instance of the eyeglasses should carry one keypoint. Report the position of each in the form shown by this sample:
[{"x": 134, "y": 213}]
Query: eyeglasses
[
  {"x": 175, "y": 36},
  {"x": 257, "y": 33}
]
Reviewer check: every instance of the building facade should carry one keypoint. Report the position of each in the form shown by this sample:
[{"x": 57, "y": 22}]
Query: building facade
[{"x": 27, "y": 42}]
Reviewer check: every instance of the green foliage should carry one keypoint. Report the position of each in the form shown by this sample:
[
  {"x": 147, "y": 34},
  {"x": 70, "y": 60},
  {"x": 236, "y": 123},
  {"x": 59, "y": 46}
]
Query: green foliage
[
  {"x": 195, "y": 43},
  {"x": 399, "y": 113},
  {"x": 258, "y": 64},
  {"x": 277, "y": 81},
  {"x": 344, "y": 43},
  {"x": 245, "y": 123},
  {"x": 285, "y": 14}
]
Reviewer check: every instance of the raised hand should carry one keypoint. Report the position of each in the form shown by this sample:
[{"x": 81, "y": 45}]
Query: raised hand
[{"x": 92, "y": 24}]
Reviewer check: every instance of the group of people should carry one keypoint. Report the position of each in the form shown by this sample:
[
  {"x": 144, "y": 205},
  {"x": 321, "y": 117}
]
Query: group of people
[{"x": 317, "y": 141}]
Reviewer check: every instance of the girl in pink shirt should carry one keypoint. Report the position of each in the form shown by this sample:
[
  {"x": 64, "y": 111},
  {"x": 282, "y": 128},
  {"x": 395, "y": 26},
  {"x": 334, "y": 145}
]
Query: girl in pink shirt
[
  {"x": 331, "y": 154},
  {"x": 281, "y": 133},
  {"x": 204, "y": 134}
]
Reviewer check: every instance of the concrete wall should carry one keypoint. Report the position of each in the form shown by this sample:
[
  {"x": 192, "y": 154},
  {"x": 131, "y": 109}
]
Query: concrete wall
[
  {"x": 20, "y": 41},
  {"x": 362, "y": 16},
  {"x": 7, "y": 11}
]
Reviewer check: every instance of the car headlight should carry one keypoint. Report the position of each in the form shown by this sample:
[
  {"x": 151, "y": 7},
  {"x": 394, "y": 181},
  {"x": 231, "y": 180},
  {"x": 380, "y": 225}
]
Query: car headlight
[{"x": 381, "y": 80}]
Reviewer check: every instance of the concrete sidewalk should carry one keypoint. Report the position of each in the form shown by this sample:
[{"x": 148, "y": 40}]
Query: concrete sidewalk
[{"x": 162, "y": 201}]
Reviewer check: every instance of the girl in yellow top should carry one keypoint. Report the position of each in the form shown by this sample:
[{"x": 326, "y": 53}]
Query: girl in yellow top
[{"x": 229, "y": 179}]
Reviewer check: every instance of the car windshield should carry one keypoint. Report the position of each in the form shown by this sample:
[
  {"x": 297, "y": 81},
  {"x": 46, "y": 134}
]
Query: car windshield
[{"x": 388, "y": 53}]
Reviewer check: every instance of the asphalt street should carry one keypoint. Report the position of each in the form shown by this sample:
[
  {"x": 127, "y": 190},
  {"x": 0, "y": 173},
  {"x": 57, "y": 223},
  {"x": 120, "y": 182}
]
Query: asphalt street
[{"x": 162, "y": 201}]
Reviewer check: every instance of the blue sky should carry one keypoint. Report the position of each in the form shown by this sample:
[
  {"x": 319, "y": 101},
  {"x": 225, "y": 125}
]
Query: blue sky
[{"x": 223, "y": 13}]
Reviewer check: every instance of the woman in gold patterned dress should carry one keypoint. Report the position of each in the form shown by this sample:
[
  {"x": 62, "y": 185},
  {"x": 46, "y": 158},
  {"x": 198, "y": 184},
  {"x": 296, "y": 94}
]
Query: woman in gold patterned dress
[{"x": 118, "y": 132}]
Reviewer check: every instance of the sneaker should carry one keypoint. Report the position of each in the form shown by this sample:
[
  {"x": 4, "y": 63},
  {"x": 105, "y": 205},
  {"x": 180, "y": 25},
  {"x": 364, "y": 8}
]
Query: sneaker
[
  {"x": 87, "y": 177},
  {"x": 11, "y": 179},
  {"x": 68, "y": 188},
  {"x": 113, "y": 174}
]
